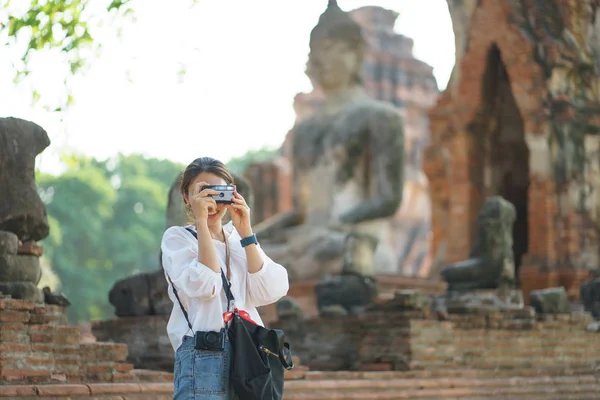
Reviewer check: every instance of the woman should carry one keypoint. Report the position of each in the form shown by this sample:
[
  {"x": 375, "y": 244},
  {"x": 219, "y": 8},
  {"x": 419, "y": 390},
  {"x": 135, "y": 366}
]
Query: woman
[{"x": 193, "y": 267}]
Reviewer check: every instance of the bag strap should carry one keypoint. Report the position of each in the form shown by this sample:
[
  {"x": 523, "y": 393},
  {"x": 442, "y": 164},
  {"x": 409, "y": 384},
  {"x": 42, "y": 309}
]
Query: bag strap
[
  {"x": 185, "y": 314},
  {"x": 226, "y": 282},
  {"x": 285, "y": 351}
]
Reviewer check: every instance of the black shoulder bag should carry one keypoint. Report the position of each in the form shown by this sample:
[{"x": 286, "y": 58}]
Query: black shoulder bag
[{"x": 260, "y": 355}]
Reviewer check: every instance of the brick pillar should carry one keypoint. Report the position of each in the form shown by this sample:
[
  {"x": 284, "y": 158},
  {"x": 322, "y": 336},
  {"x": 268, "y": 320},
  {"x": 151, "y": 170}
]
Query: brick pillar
[
  {"x": 465, "y": 199},
  {"x": 437, "y": 169},
  {"x": 536, "y": 270},
  {"x": 562, "y": 237}
]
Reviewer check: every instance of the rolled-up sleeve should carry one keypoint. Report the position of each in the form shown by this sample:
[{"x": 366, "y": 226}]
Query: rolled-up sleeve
[
  {"x": 267, "y": 285},
  {"x": 180, "y": 261}
]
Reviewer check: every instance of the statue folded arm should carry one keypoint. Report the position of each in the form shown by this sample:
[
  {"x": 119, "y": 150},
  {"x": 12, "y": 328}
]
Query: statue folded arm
[
  {"x": 384, "y": 154},
  {"x": 276, "y": 223}
]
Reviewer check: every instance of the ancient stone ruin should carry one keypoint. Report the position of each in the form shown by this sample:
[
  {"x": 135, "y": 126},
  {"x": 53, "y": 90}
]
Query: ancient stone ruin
[
  {"x": 503, "y": 186},
  {"x": 23, "y": 219},
  {"x": 392, "y": 75},
  {"x": 490, "y": 264},
  {"x": 40, "y": 355},
  {"x": 505, "y": 216},
  {"x": 519, "y": 120}
]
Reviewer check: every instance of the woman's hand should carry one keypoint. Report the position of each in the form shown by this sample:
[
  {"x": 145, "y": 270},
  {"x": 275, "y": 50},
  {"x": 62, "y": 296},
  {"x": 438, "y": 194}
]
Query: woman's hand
[
  {"x": 202, "y": 203},
  {"x": 240, "y": 215}
]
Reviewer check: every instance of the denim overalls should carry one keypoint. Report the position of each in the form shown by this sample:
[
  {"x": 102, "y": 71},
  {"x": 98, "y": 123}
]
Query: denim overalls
[{"x": 202, "y": 374}]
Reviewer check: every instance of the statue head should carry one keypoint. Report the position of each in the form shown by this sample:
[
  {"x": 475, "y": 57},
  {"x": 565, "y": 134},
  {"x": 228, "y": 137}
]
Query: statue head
[{"x": 337, "y": 49}]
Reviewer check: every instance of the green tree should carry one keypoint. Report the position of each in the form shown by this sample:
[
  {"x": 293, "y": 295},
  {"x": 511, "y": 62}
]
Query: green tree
[
  {"x": 238, "y": 165},
  {"x": 62, "y": 25},
  {"x": 78, "y": 203},
  {"x": 107, "y": 218}
]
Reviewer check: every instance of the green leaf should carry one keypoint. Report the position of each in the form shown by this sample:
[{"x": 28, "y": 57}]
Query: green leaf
[{"x": 35, "y": 96}]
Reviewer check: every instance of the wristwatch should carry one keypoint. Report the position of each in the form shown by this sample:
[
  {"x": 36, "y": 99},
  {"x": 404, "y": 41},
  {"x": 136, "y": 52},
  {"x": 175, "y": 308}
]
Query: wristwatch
[{"x": 247, "y": 241}]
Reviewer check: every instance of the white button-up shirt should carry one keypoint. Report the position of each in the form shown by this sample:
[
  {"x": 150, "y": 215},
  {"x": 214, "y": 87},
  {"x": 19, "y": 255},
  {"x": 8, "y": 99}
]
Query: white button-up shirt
[{"x": 200, "y": 289}]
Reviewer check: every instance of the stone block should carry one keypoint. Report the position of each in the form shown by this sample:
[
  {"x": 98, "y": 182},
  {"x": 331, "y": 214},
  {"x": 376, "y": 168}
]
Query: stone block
[
  {"x": 550, "y": 301},
  {"x": 24, "y": 268},
  {"x": 9, "y": 243},
  {"x": 23, "y": 291},
  {"x": 287, "y": 307},
  {"x": 353, "y": 292},
  {"x": 411, "y": 300}
]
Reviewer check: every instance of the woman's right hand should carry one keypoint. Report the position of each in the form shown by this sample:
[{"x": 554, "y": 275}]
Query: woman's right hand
[{"x": 202, "y": 203}]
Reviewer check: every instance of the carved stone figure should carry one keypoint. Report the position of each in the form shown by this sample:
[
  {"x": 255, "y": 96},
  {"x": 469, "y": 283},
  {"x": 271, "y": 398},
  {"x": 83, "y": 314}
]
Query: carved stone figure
[
  {"x": 354, "y": 288},
  {"x": 141, "y": 294},
  {"x": 21, "y": 209},
  {"x": 22, "y": 213},
  {"x": 590, "y": 296},
  {"x": 491, "y": 261},
  {"x": 347, "y": 161}
]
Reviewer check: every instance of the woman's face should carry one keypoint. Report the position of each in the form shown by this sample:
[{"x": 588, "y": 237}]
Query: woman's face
[{"x": 211, "y": 179}]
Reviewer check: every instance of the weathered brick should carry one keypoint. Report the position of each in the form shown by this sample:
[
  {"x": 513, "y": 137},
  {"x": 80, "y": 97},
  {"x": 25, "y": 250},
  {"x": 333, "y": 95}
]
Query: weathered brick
[
  {"x": 108, "y": 368},
  {"x": 12, "y": 326},
  {"x": 15, "y": 304},
  {"x": 66, "y": 335},
  {"x": 13, "y": 316},
  {"x": 14, "y": 336},
  {"x": 44, "y": 348},
  {"x": 40, "y": 360},
  {"x": 98, "y": 352},
  {"x": 63, "y": 390},
  {"x": 17, "y": 391},
  {"x": 14, "y": 348}
]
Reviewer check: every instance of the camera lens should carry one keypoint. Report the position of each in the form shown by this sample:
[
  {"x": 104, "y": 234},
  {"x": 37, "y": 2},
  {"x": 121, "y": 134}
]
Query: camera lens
[
  {"x": 221, "y": 194},
  {"x": 211, "y": 337}
]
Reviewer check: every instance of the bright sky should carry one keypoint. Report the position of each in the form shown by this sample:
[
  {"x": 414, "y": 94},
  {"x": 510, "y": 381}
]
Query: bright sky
[{"x": 244, "y": 61}]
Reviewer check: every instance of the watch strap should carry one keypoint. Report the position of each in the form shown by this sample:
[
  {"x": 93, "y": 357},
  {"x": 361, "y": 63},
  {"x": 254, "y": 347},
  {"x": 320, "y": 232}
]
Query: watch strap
[{"x": 247, "y": 241}]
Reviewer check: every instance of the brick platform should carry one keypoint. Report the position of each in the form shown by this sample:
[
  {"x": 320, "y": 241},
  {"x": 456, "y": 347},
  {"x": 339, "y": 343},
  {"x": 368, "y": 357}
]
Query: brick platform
[
  {"x": 114, "y": 391},
  {"x": 409, "y": 340},
  {"x": 40, "y": 356},
  {"x": 407, "y": 355},
  {"x": 450, "y": 385},
  {"x": 394, "y": 354},
  {"x": 149, "y": 346}
]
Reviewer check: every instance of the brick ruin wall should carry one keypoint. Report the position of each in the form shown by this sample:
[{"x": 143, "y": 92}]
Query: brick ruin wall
[
  {"x": 41, "y": 356},
  {"x": 412, "y": 340}
]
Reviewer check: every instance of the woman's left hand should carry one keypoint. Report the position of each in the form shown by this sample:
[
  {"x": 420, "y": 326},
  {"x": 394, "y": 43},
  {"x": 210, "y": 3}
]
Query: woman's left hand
[{"x": 240, "y": 215}]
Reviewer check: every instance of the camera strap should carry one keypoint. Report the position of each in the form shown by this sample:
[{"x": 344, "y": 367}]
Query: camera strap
[{"x": 226, "y": 282}]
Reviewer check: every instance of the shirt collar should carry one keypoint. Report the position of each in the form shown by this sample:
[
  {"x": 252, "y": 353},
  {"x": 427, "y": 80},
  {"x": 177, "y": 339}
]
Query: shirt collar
[{"x": 228, "y": 228}]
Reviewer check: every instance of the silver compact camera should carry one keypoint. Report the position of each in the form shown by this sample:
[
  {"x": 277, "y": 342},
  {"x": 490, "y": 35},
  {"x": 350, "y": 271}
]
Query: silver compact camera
[{"x": 225, "y": 195}]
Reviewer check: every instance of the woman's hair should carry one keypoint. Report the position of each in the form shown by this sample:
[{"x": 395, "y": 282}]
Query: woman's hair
[{"x": 206, "y": 165}]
